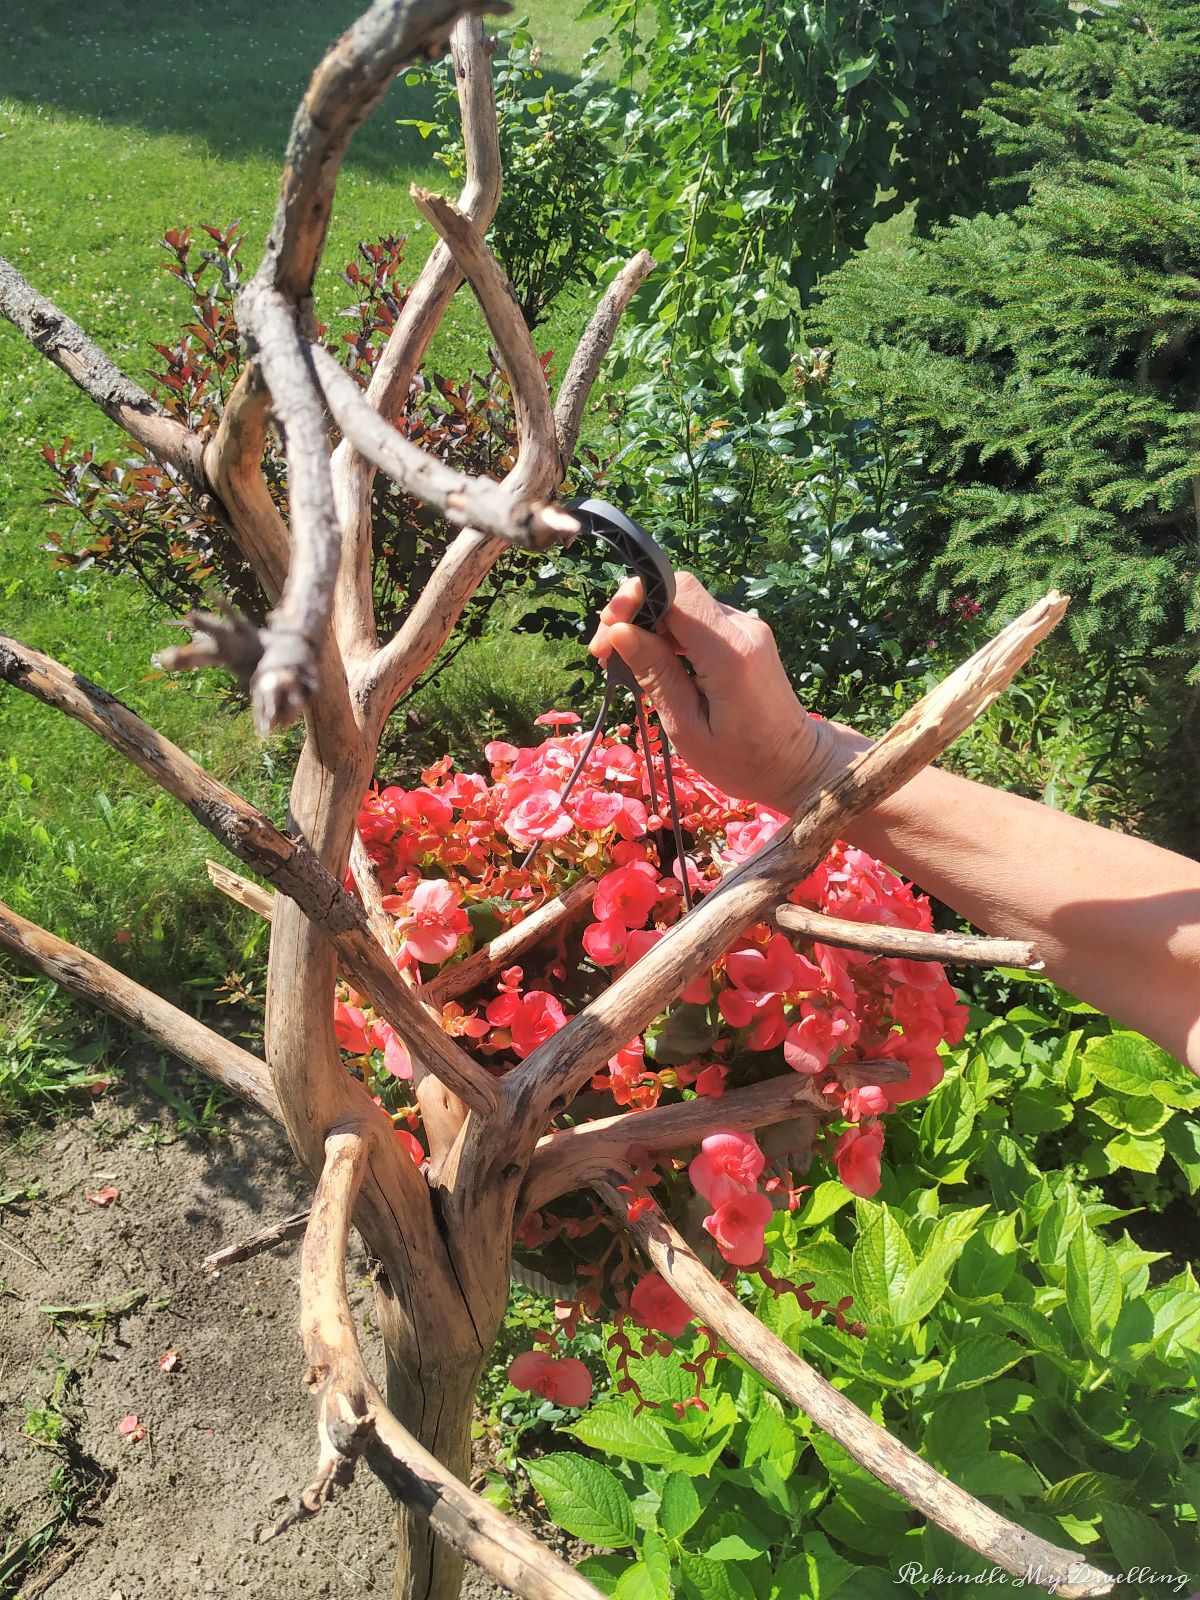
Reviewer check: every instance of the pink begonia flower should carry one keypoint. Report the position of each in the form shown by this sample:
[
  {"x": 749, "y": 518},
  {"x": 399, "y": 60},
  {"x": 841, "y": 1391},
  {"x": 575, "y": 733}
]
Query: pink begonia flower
[
  {"x": 423, "y": 806},
  {"x": 655, "y": 1305},
  {"x": 711, "y": 1082},
  {"x": 810, "y": 1043},
  {"x": 867, "y": 1100},
  {"x": 621, "y": 764},
  {"x": 350, "y": 1026},
  {"x": 738, "y": 1227},
  {"x": 131, "y": 1427},
  {"x": 626, "y": 1070},
  {"x": 534, "y": 812},
  {"x": 700, "y": 991},
  {"x": 566, "y": 1381},
  {"x": 500, "y": 754},
  {"x": 605, "y": 941},
  {"x": 412, "y": 1144},
  {"x": 742, "y": 839},
  {"x": 729, "y": 1164},
  {"x": 596, "y": 808},
  {"x": 763, "y": 1014},
  {"x": 396, "y": 1058},
  {"x": 435, "y": 921},
  {"x": 538, "y": 1016},
  {"x": 857, "y": 1154},
  {"x": 638, "y": 942},
  {"x": 633, "y": 819},
  {"x": 627, "y": 893},
  {"x": 556, "y": 719},
  {"x": 776, "y": 970}
]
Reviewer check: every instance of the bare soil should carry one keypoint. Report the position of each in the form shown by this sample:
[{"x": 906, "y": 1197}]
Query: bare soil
[{"x": 229, "y": 1432}]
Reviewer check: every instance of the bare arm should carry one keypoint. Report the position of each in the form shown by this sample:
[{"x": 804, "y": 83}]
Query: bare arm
[{"x": 1117, "y": 920}]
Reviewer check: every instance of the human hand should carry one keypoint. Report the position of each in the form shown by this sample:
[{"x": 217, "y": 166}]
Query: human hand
[{"x": 737, "y": 720}]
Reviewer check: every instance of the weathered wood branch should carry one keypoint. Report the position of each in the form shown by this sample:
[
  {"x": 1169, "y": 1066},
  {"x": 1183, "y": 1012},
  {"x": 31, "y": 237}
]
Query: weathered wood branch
[
  {"x": 1004, "y": 1543},
  {"x": 251, "y": 895},
  {"x": 88, "y": 978},
  {"x": 907, "y": 944},
  {"x": 537, "y": 440},
  {"x": 233, "y": 466},
  {"x": 591, "y": 350},
  {"x": 64, "y": 342},
  {"x": 546, "y": 1081},
  {"x": 283, "y": 860},
  {"x": 569, "y": 1157},
  {"x": 354, "y": 1421},
  {"x": 485, "y": 503},
  {"x": 265, "y": 1239}
]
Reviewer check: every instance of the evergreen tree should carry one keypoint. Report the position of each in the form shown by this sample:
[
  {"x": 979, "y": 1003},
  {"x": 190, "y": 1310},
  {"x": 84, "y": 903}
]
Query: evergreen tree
[{"x": 1048, "y": 355}]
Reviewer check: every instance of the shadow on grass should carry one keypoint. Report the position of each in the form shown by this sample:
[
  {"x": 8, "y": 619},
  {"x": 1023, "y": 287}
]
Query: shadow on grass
[{"x": 227, "y": 72}]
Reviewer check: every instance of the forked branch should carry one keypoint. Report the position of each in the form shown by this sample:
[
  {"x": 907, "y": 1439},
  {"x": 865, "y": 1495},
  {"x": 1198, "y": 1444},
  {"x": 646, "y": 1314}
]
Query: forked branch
[
  {"x": 353, "y": 1419},
  {"x": 88, "y": 978},
  {"x": 591, "y": 350},
  {"x": 286, "y": 862},
  {"x": 1004, "y": 1543}
]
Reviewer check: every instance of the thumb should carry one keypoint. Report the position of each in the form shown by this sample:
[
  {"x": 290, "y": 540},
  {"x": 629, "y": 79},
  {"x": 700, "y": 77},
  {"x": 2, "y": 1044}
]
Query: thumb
[{"x": 662, "y": 676}]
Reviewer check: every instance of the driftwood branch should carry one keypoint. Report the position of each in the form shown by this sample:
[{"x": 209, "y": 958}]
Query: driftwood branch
[
  {"x": 354, "y": 1421},
  {"x": 485, "y": 503},
  {"x": 93, "y": 980},
  {"x": 570, "y": 1157},
  {"x": 592, "y": 349},
  {"x": 233, "y": 466},
  {"x": 966, "y": 1519},
  {"x": 546, "y": 1081},
  {"x": 908, "y": 944},
  {"x": 64, "y": 342},
  {"x": 266, "y": 1239},
  {"x": 254, "y": 839}
]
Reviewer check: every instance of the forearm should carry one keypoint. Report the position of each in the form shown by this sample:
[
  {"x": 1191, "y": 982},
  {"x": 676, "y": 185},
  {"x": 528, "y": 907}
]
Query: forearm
[{"x": 1116, "y": 920}]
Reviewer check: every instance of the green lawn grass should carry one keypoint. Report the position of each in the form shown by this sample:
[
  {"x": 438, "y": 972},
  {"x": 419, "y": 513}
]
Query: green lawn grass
[{"x": 118, "y": 122}]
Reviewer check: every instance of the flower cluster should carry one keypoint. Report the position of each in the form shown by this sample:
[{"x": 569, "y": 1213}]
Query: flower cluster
[{"x": 863, "y": 1031}]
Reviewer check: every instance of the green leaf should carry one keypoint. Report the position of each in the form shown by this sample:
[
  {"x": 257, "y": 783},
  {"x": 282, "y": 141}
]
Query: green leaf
[
  {"x": 1136, "y": 1154},
  {"x": 1182, "y": 1138},
  {"x": 1129, "y": 1064},
  {"x": 1093, "y": 1288},
  {"x": 714, "y": 1580},
  {"x": 1058, "y": 1227},
  {"x": 680, "y": 1506},
  {"x": 989, "y": 1258},
  {"x": 605, "y": 1572},
  {"x": 1079, "y": 1494},
  {"x": 883, "y": 1264},
  {"x": 616, "y": 1431},
  {"x": 821, "y": 1204},
  {"x": 584, "y": 1498},
  {"x": 1138, "y": 1114},
  {"x": 855, "y": 71},
  {"x": 650, "y": 1577},
  {"x": 736, "y": 1547},
  {"x": 1136, "y": 1541},
  {"x": 976, "y": 1358},
  {"x": 928, "y": 1279},
  {"x": 949, "y": 1117},
  {"x": 772, "y": 1437}
]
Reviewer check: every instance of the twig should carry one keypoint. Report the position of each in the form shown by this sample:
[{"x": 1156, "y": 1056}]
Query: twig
[
  {"x": 908, "y": 944},
  {"x": 546, "y": 1081},
  {"x": 233, "y": 465},
  {"x": 251, "y": 895},
  {"x": 592, "y": 349},
  {"x": 283, "y": 860},
  {"x": 64, "y": 342},
  {"x": 91, "y": 979},
  {"x": 994, "y": 1537},
  {"x": 354, "y": 1421},
  {"x": 266, "y": 1239},
  {"x": 485, "y": 503}
]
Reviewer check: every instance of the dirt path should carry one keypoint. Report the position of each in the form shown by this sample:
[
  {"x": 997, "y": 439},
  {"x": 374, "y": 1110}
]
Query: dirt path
[{"x": 229, "y": 1432}]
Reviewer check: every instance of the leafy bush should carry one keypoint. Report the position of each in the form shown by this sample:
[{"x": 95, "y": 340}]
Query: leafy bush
[
  {"x": 1015, "y": 1337},
  {"x": 1045, "y": 359}
]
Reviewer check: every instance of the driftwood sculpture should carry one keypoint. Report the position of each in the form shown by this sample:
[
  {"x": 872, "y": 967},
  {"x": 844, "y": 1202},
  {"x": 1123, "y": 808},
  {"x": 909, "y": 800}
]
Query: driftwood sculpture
[{"x": 439, "y": 1233}]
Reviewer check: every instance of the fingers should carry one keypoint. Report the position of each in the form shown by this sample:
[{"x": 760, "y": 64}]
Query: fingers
[{"x": 663, "y": 679}]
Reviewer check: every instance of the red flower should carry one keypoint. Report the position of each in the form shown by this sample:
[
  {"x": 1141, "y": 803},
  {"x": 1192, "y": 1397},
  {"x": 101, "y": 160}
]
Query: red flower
[
  {"x": 412, "y": 1144},
  {"x": 711, "y": 1082},
  {"x": 350, "y": 1026},
  {"x": 605, "y": 941},
  {"x": 629, "y": 894},
  {"x": 435, "y": 921},
  {"x": 857, "y": 1154},
  {"x": 566, "y": 1380},
  {"x": 534, "y": 812},
  {"x": 538, "y": 1016},
  {"x": 655, "y": 1304},
  {"x": 738, "y": 1227},
  {"x": 729, "y": 1165},
  {"x": 556, "y": 719},
  {"x": 596, "y": 809},
  {"x": 811, "y": 1042}
]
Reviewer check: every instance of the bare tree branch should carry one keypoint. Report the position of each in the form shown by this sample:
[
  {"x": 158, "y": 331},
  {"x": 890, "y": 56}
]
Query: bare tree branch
[
  {"x": 591, "y": 351},
  {"x": 483, "y": 502},
  {"x": 64, "y": 342},
  {"x": 569, "y": 1157},
  {"x": 994, "y": 1537},
  {"x": 89, "y": 978},
  {"x": 233, "y": 465},
  {"x": 908, "y": 944},
  {"x": 253, "y": 838},
  {"x": 251, "y": 895},
  {"x": 354, "y": 1421},
  {"x": 545, "y": 1082},
  {"x": 265, "y": 1239}
]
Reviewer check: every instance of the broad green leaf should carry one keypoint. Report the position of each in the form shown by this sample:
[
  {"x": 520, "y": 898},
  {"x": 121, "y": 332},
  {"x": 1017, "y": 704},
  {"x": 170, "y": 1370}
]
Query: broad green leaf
[
  {"x": 745, "y": 1546},
  {"x": 650, "y": 1577},
  {"x": 1182, "y": 1137},
  {"x": 1008, "y": 1170},
  {"x": 636, "y": 1583},
  {"x": 926, "y": 1283},
  {"x": 1079, "y": 1494},
  {"x": 1093, "y": 1288},
  {"x": 1058, "y": 1227},
  {"x": 1137, "y": 1154},
  {"x": 1131, "y": 1113},
  {"x": 883, "y": 1264},
  {"x": 1001, "y": 1473},
  {"x": 975, "y": 1358},
  {"x": 855, "y": 71},
  {"x": 680, "y": 1506},
  {"x": 605, "y": 1572},
  {"x": 1129, "y": 1064},
  {"x": 989, "y": 1258},
  {"x": 584, "y": 1498},
  {"x": 714, "y": 1580},
  {"x": 772, "y": 1437},
  {"x": 948, "y": 1118},
  {"x": 616, "y": 1431},
  {"x": 821, "y": 1204},
  {"x": 1136, "y": 1541},
  {"x": 663, "y": 1381},
  {"x": 864, "y": 1523}
]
